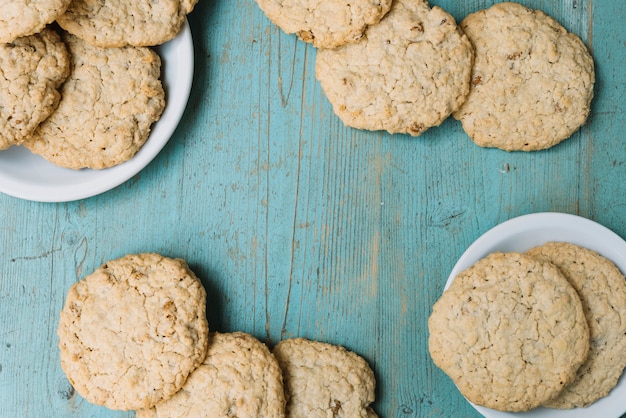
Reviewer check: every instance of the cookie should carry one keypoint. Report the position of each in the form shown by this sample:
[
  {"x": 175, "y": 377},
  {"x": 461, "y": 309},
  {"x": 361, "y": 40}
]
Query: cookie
[
  {"x": 109, "y": 103},
  {"x": 324, "y": 380},
  {"x": 325, "y": 23},
  {"x": 33, "y": 68},
  {"x": 238, "y": 378},
  {"x": 117, "y": 23},
  {"x": 131, "y": 332},
  {"x": 602, "y": 290},
  {"x": 19, "y": 18},
  {"x": 510, "y": 332},
  {"x": 532, "y": 81},
  {"x": 409, "y": 72}
]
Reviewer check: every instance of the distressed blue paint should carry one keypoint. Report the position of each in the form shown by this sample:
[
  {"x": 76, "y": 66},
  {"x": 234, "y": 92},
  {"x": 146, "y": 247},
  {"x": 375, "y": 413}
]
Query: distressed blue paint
[{"x": 297, "y": 225}]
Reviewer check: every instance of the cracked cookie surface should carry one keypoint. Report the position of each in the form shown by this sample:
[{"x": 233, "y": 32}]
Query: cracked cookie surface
[
  {"x": 116, "y": 23},
  {"x": 131, "y": 332},
  {"x": 32, "y": 71},
  {"x": 325, "y": 23},
  {"x": 238, "y": 378},
  {"x": 324, "y": 380},
  {"x": 409, "y": 72},
  {"x": 109, "y": 102},
  {"x": 532, "y": 81},
  {"x": 510, "y": 331},
  {"x": 20, "y": 18},
  {"x": 602, "y": 290}
]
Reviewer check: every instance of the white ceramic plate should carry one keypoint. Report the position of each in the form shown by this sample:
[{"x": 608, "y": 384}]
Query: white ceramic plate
[
  {"x": 28, "y": 176},
  {"x": 524, "y": 232}
]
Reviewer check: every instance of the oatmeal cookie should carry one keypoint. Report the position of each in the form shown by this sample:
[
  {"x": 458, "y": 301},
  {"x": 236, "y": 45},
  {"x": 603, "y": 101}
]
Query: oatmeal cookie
[
  {"x": 323, "y": 380},
  {"x": 510, "y": 331},
  {"x": 602, "y": 290},
  {"x": 33, "y": 69},
  {"x": 131, "y": 332},
  {"x": 325, "y": 23},
  {"x": 20, "y": 18},
  {"x": 116, "y": 23},
  {"x": 532, "y": 81},
  {"x": 238, "y": 378},
  {"x": 409, "y": 72},
  {"x": 109, "y": 103}
]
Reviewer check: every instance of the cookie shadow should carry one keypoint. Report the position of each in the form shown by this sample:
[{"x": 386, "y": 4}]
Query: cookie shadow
[{"x": 214, "y": 298}]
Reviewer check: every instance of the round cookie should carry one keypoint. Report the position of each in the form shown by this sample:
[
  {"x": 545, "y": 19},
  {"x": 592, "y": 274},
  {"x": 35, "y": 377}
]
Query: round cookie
[
  {"x": 509, "y": 331},
  {"x": 109, "y": 103},
  {"x": 323, "y": 380},
  {"x": 238, "y": 378},
  {"x": 602, "y": 290},
  {"x": 131, "y": 332},
  {"x": 33, "y": 69},
  {"x": 116, "y": 23},
  {"x": 325, "y": 23},
  {"x": 406, "y": 75},
  {"x": 20, "y": 18},
  {"x": 532, "y": 81}
]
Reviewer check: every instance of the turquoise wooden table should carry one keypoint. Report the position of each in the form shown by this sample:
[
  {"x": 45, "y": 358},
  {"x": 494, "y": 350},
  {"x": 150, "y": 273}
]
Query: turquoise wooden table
[{"x": 299, "y": 226}]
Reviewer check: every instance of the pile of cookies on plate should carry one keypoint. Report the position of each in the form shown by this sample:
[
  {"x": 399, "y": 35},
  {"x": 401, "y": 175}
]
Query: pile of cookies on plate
[
  {"x": 516, "y": 331},
  {"x": 133, "y": 335},
  {"x": 514, "y": 77},
  {"x": 79, "y": 84}
]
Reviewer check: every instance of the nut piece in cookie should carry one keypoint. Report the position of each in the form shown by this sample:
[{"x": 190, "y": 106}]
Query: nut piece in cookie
[
  {"x": 510, "y": 331},
  {"x": 116, "y": 23},
  {"x": 109, "y": 103},
  {"x": 323, "y": 380},
  {"x": 20, "y": 18},
  {"x": 325, "y": 23},
  {"x": 408, "y": 73},
  {"x": 131, "y": 332},
  {"x": 532, "y": 81},
  {"x": 33, "y": 69},
  {"x": 602, "y": 290},
  {"x": 238, "y": 378}
]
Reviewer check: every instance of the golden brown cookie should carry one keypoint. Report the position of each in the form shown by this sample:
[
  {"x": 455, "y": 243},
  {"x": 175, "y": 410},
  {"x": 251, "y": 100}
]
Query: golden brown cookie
[
  {"x": 602, "y": 290},
  {"x": 33, "y": 68},
  {"x": 109, "y": 103},
  {"x": 510, "y": 331},
  {"x": 20, "y": 18},
  {"x": 325, "y": 23},
  {"x": 408, "y": 73},
  {"x": 323, "y": 380},
  {"x": 532, "y": 81},
  {"x": 116, "y": 23},
  {"x": 238, "y": 378},
  {"x": 131, "y": 332}
]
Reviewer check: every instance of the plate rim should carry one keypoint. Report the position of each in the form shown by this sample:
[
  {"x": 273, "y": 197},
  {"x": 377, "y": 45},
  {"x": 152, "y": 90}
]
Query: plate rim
[
  {"x": 109, "y": 178},
  {"x": 489, "y": 240}
]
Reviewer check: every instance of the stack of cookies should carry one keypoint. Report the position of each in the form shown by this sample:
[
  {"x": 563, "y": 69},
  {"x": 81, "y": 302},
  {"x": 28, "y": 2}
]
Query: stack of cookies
[
  {"x": 543, "y": 328},
  {"x": 514, "y": 77},
  {"x": 133, "y": 335},
  {"x": 80, "y": 85}
]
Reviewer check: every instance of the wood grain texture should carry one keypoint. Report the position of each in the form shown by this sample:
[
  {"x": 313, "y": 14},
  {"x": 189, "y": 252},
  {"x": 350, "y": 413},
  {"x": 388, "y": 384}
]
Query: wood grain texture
[{"x": 297, "y": 225}]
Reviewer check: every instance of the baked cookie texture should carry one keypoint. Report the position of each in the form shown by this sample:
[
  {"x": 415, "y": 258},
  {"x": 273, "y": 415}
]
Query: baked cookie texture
[
  {"x": 117, "y": 23},
  {"x": 32, "y": 70},
  {"x": 131, "y": 332},
  {"x": 20, "y": 18},
  {"x": 109, "y": 102},
  {"x": 510, "y": 332},
  {"x": 532, "y": 81},
  {"x": 602, "y": 290},
  {"x": 325, "y": 23},
  {"x": 324, "y": 380},
  {"x": 238, "y": 378},
  {"x": 408, "y": 73}
]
